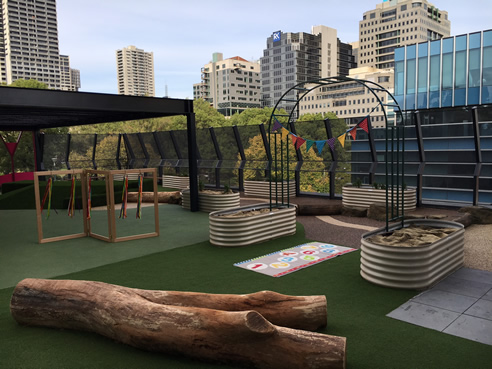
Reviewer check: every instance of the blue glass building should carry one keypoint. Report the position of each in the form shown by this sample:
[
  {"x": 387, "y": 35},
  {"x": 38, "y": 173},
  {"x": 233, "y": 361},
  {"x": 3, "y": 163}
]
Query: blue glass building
[{"x": 453, "y": 71}]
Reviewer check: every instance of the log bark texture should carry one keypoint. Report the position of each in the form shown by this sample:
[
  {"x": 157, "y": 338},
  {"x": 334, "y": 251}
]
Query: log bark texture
[
  {"x": 162, "y": 197},
  {"x": 142, "y": 320}
]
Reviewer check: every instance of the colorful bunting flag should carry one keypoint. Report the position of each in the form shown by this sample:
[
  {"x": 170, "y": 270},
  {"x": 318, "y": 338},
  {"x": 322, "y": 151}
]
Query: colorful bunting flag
[
  {"x": 309, "y": 143},
  {"x": 276, "y": 124},
  {"x": 353, "y": 132},
  {"x": 331, "y": 143},
  {"x": 341, "y": 138},
  {"x": 285, "y": 132},
  {"x": 320, "y": 145},
  {"x": 294, "y": 139},
  {"x": 299, "y": 142},
  {"x": 363, "y": 125}
]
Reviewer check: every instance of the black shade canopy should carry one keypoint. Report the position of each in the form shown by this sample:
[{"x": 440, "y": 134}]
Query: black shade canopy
[{"x": 23, "y": 109}]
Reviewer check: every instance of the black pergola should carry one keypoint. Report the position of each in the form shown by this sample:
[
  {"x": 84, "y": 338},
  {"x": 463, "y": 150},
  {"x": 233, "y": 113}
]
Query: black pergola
[{"x": 23, "y": 109}]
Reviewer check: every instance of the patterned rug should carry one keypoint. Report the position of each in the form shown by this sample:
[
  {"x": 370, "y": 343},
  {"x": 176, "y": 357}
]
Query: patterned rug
[{"x": 293, "y": 259}]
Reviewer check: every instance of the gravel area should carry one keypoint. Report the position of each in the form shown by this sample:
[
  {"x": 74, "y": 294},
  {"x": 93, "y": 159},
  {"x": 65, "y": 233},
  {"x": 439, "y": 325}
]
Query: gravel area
[{"x": 478, "y": 238}]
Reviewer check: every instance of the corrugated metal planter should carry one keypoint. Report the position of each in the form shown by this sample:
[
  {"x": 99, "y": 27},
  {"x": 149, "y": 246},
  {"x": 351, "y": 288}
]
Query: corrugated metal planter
[
  {"x": 262, "y": 188},
  {"x": 211, "y": 201},
  {"x": 175, "y": 182},
  {"x": 413, "y": 267},
  {"x": 364, "y": 196},
  {"x": 229, "y": 231}
]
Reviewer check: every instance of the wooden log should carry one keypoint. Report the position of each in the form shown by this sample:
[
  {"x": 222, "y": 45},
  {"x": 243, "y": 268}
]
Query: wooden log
[
  {"x": 162, "y": 197},
  {"x": 243, "y": 338}
]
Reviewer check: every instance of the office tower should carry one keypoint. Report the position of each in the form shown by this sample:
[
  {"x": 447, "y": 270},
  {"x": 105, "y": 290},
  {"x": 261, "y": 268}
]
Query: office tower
[
  {"x": 396, "y": 23},
  {"x": 454, "y": 71},
  {"x": 135, "y": 69},
  {"x": 292, "y": 58},
  {"x": 351, "y": 100},
  {"x": 229, "y": 85},
  {"x": 29, "y": 42}
]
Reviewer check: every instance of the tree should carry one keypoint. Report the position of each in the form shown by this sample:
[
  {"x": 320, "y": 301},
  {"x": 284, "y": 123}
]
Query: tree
[{"x": 29, "y": 83}]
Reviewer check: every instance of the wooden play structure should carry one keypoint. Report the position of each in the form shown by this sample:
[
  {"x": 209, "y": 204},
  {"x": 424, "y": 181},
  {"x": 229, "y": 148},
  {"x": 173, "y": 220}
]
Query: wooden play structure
[{"x": 85, "y": 177}]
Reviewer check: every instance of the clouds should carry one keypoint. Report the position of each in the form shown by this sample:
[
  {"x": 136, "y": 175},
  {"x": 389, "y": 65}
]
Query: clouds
[{"x": 183, "y": 35}]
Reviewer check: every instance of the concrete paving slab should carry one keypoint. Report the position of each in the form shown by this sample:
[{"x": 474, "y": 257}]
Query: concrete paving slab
[
  {"x": 424, "y": 315},
  {"x": 472, "y": 328},
  {"x": 463, "y": 287},
  {"x": 445, "y": 300},
  {"x": 473, "y": 275},
  {"x": 488, "y": 295},
  {"x": 481, "y": 309}
]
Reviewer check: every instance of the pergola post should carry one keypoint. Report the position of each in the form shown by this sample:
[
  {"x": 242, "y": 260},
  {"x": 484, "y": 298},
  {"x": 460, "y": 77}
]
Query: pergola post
[{"x": 192, "y": 158}]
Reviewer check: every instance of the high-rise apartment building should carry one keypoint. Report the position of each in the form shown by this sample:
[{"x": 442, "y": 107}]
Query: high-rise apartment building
[
  {"x": 396, "y": 23},
  {"x": 135, "y": 69},
  {"x": 29, "y": 42},
  {"x": 229, "y": 85},
  {"x": 292, "y": 58},
  {"x": 69, "y": 78}
]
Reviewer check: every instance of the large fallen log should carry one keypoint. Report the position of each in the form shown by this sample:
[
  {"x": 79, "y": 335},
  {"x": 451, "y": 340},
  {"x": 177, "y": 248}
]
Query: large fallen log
[{"x": 237, "y": 337}]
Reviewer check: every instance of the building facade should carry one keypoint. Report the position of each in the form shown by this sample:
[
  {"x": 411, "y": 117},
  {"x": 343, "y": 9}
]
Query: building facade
[
  {"x": 293, "y": 58},
  {"x": 135, "y": 72},
  {"x": 29, "y": 42},
  {"x": 350, "y": 100},
  {"x": 396, "y": 23},
  {"x": 454, "y": 71},
  {"x": 229, "y": 85},
  {"x": 69, "y": 78}
]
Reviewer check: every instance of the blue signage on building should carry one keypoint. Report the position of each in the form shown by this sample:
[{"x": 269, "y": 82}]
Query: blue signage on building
[{"x": 276, "y": 36}]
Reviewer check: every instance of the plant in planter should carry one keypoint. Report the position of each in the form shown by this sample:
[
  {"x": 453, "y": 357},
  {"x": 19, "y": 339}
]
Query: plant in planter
[{"x": 212, "y": 200}]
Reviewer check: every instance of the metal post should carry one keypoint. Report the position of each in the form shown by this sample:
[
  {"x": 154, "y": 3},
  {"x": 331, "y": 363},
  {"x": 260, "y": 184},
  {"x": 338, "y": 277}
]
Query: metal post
[
  {"x": 218, "y": 154},
  {"x": 243, "y": 157},
  {"x": 192, "y": 156},
  {"x": 420, "y": 144},
  {"x": 478, "y": 156},
  {"x": 144, "y": 150}
]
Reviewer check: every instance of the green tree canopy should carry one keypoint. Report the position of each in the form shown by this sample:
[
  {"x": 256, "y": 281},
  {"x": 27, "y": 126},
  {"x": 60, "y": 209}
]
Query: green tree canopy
[{"x": 29, "y": 83}]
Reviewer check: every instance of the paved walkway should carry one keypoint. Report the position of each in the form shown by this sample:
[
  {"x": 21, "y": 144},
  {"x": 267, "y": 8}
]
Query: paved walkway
[{"x": 460, "y": 305}]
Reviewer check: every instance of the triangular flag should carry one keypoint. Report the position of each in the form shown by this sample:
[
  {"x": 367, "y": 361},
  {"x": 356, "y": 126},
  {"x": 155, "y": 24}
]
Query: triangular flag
[
  {"x": 331, "y": 143},
  {"x": 294, "y": 139},
  {"x": 299, "y": 142},
  {"x": 309, "y": 143},
  {"x": 342, "y": 139},
  {"x": 276, "y": 124},
  {"x": 353, "y": 132},
  {"x": 285, "y": 132},
  {"x": 363, "y": 125},
  {"x": 11, "y": 147},
  {"x": 320, "y": 145}
]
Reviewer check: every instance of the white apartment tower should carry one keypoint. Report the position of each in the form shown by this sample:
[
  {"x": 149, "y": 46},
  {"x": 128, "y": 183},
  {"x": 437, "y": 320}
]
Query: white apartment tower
[
  {"x": 69, "y": 78},
  {"x": 396, "y": 23},
  {"x": 29, "y": 42},
  {"x": 135, "y": 68},
  {"x": 229, "y": 85}
]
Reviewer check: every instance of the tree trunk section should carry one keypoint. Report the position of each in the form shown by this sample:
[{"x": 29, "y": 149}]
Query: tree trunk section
[{"x": 142, "y": 320}]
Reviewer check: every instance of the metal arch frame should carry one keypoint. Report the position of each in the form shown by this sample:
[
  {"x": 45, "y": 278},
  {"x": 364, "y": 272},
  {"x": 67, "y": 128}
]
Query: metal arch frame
[{"x": 372, "y": 87}]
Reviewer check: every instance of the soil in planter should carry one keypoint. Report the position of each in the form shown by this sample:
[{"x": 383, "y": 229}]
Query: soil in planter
[
  {"x": 216, "y": 192},
  {"x": 411, "y": 236},
  {"x": 247, "y": 213}
]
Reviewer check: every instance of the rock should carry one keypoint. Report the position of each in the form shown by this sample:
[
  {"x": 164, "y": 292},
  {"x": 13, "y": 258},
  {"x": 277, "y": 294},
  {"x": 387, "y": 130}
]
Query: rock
[
  {"x": 465, "y": 219},
  {"x": 377, "y": 211},
  {"x": 479, "y": 214},
  {"x": 354, "y": 212},
  {"x": 414, "y": 216}
]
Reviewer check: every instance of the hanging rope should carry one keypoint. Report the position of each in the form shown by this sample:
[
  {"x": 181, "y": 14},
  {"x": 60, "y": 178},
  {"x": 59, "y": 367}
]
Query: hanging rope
[
  {"x": 124, "y": 198},
  {"x": 89, "y": 199},
  {"x": 71, "y": 202},
  {"x": 47, "y": 195},
  {"x": 139, "y": 200}
]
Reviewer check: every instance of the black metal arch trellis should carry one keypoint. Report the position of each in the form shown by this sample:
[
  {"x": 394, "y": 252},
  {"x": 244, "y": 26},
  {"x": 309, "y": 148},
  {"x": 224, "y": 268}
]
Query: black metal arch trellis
[{"x": 394, "y": 142}]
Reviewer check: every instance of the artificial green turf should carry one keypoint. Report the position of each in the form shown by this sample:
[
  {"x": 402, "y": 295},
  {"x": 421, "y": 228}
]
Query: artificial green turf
[{"x": 356, "y": 310}]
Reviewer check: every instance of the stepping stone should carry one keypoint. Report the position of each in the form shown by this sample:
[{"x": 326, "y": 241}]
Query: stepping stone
[
  {"x": 471, "y": 328},
  {"x": 424, "y": 315},
  {"x": 445, "y": 300}
]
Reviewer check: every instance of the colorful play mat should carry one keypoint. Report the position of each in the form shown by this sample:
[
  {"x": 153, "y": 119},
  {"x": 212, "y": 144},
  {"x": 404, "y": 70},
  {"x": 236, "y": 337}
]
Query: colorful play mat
[{"x": 292, "y": 259}]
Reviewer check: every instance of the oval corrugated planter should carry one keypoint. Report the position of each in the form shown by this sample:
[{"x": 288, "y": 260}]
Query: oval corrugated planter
[
  {"x": 175, "y": 182},
  {"x": 364, "y": 196},
  {"x": 209, "y": 202},
  {"x": 412, "y": 267},
  {"x": 247, "y": 230},
  {"x": 262, "y": 189}
]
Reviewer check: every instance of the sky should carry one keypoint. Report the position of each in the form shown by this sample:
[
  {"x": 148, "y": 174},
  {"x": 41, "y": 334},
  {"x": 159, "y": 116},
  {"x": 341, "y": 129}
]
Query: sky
[{"x": 183, "y": 35}]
